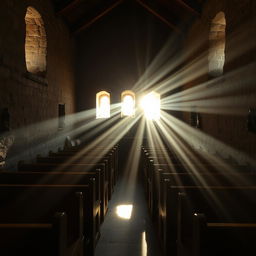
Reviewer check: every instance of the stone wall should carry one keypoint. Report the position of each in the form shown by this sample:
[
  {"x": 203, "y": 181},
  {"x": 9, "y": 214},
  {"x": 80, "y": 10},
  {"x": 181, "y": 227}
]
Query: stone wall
[
  {"x": 226, "y": 99},
  {"x": 32, "y": 98}
]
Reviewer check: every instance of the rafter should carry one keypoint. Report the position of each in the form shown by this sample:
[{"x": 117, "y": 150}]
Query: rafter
[
  {"x": 88, "y": 24},
  {"x": 68, "y": 7},
  {"x": 187, "y": 7},
  {"x": 172, "y": 26}
]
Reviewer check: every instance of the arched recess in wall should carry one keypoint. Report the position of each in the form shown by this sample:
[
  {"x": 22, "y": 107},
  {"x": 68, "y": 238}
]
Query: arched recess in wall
[
  {"x": 35, "y": 42},
  {"x": 102, "y": 104},
  {"x": 128, "y": 103},
  {"x": 217, "y": 38}
]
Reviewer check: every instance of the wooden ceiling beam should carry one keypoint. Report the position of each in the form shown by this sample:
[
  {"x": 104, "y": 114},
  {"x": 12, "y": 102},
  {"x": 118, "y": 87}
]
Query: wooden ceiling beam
[
  {"x": 88, "y": 24},
  {"x": 68, "y": 7},
  {"x": 169, "y": 24},
  {"x": 187, "y": 7}
]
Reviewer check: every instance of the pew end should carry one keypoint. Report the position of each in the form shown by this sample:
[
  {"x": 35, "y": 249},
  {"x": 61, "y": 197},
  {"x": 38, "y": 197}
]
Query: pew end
[
  {"x": 222, "y": 238},
  {"x": 35, "y": 238}
]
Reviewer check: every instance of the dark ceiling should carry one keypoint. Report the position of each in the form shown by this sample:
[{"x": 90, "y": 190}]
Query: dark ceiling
[{"x": 81, "y": 14}]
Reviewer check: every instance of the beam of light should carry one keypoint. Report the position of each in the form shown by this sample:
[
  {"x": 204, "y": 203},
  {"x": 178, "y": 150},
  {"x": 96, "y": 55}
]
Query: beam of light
[
  {"x": 81, "y": 125},
  {"x": 217, "y": 87},
  {"x": 44, "y": 135},
  {"x": 227, "y": 84},
  {"x": 101, "y": 124},
  {"x": 124, "y": 211},
  {"x": 131, "y": 168},
  {"x": 105, "y": 140},
  {"x": 128, "y": 105},
  {"x": 144, "y": 245},
  {"x": 150, "y": 104},
  {"x": 116, "y": 132},
  {"x": 197, "y": 138},
  {"x": 155, "y": 141},
  {"x": 180, "y": 141},
  {"x": 233, "y": 105},
  {"x": 222, "y": 95},
  {"x": 165, "y": 62},
  {"x": 187, "y": 157},
  {"x": 240, "y": 39},
  {"x": 189, "y": 72},
  {"x": 196, "y": 68}
]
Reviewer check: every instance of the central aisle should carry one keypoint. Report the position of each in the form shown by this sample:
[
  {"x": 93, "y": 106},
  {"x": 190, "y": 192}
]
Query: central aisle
[{"x": 128, "y": 237}]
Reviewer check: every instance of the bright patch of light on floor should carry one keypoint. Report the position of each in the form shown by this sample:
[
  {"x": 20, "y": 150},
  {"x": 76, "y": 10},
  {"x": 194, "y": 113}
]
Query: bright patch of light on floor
[
  {"x": 124, "y": 211},
  {"x": 150, "y": 104},
  {"x": 144, "y": 246}
]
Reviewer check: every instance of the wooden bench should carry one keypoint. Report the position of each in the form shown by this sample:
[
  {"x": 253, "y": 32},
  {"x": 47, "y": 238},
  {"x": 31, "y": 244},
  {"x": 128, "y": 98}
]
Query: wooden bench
[
  {"x": 219, "y": 203},
  {"x": 54, "y": 167},
  {"x": 220, "y": 238},
  {"x": 37, "y": 238},
  {"x": 98, "y": 151},
  {"x": 196, "y": 179},
  {"x": 35, "y": 203},
  {"x": 30, "y": 204},
  {"x": 67, "y": 161},
  {"x": 62, "y": 178}
]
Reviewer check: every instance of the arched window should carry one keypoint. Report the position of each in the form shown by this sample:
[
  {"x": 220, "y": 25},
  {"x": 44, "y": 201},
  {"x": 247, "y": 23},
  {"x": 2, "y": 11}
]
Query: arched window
[
  {"x": 150, "y": 104},
  {"x": 36, "y": 42},
  {"x": 217, "y": 45},
  {"x": 102, "y": 104},
  {"x": 128, "y": 103}
]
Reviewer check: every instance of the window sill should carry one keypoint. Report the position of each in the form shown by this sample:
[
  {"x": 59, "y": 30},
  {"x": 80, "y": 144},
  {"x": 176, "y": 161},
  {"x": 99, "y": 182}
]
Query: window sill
[{"x": 36, "y": 78}]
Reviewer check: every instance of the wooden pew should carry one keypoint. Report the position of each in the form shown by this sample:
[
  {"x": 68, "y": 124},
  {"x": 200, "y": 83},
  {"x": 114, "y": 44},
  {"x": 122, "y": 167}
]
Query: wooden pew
[
  {"x": 203, "y": 174},
  {"x": 45, "y": 167},
  {"x": 112, "y": 153},
  {"x": 67, "y": 160},
  {"x": 77, "y": 157},
  {"x": 219, "y": 238},
  {"x": 158, "y": 205},
  {"x": 219, "y": 203},
  {"x": 195, "y": 179},
  {"x": 36, "y": 238},
  {"x": 62, "y": 178},
  {"x": 31, "y": 203}
]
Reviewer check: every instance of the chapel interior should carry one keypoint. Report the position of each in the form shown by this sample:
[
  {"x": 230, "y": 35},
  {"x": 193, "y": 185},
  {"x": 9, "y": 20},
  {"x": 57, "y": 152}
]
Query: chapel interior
[{"x": 127, "y": 127}]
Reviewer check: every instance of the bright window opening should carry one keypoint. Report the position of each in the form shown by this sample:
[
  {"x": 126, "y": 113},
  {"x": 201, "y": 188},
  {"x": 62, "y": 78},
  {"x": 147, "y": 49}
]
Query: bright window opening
[
  {"x": 150, "y": 104},
  {"x": 128, "y": 103},
  {"x": 124, "y": 211},
  {"x": 35, "y": 42},
  {"x": 217, "y": 45},
  {"x": 102, "y": 105}
]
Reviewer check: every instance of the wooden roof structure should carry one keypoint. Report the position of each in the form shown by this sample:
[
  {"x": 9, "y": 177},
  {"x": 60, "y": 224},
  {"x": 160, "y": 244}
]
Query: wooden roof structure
[{"x": 81, "y": 14}]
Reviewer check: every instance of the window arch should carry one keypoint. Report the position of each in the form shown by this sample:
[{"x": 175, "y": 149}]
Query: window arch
[
  {"x": 217, "y": 45},
  {"x": 151, "y": 104},
  {"x": 35, "y": 42},
  {"x": 128, "y": 103},
  {"x": 102, "y": 104}
]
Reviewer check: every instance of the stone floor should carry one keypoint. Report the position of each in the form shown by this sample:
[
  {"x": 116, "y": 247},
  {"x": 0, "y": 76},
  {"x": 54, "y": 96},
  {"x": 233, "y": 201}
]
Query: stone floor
[{"x": 128, "y": 237}]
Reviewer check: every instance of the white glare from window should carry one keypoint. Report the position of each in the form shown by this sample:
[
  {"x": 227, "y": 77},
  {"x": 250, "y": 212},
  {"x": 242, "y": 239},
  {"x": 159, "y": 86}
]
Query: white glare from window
[
  {"x": 104, "y": 107},
  {"x": 128, "y": 106},
  {"x": 150, "y": 104}
]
